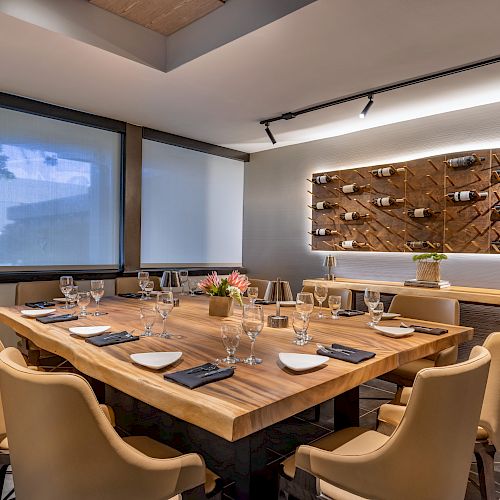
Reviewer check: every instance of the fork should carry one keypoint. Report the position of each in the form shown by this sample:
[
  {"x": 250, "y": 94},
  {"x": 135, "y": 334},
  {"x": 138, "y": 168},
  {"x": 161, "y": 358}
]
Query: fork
[{"x": 335, "y": 349}]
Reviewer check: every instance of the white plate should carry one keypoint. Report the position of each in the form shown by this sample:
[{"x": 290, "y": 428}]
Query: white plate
[
  {"x": 37, "y": 313},
  {"x": 88, "y": 331},
  {"x": 394, "y": 331},
  {"x": 155, "y": 360},
  {"x": 390, "y": 315},
  {"x": 301, "y": 362},
  {"x": 59, "y": 299},
  {"x": 288, "y": 303}
]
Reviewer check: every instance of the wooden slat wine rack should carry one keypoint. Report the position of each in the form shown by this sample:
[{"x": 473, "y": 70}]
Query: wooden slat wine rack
[{"x": 455, "y": 227}]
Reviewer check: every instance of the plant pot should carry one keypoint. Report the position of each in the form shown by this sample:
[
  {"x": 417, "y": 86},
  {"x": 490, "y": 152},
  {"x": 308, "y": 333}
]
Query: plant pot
[
  {"x": 428, "y": 271},
  {"x": 220, "y": 306}
]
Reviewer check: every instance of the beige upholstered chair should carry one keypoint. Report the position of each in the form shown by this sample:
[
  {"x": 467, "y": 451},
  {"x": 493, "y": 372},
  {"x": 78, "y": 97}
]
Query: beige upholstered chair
[
  {"x": 344, "y": 293},
  {"x": 427, "y": 456},
  {"x": 427, "y": 309},
  {"x": 488, "y": 431},
  {"x": 260, "y": 284},
  {"x": 130, "y": 284},
  {"x": 65, "y": 447},
  {"x": 4, "y": 444}
]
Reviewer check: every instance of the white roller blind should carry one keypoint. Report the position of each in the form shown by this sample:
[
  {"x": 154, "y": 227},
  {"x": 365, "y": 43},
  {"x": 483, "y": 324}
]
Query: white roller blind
[
  {"x": 192, "y": 207},
  {"x": 59, "y": 193}
]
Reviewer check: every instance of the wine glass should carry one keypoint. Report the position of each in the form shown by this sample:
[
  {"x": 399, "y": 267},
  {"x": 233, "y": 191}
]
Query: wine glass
[
  {"x": 252, "y": 293},
  {"x": 143, "y": 277},
  {"x": 148, "y": 317},
  {"x": 64, "y": 283},
  {"x": 148, "y": 287},
  {"x": 164, "y": 306},
  {"x": 320, "y": 293},
  {"x": 193, "y": 286},
  {"x": 300, "y": 324},
  {"x": 252, "y": 324},
  {"x": 304, "y": 303},
  {"x": 376, "y": 314},
  {"x": 83, "y": 301},
  {"x": 97, "y": 291},
  {"x": 334, "y": 302},
  {"x": 184, "y": 277},
  {"x": 230, "y": 335},
  {"x": 372, "y": 298},
  {"x": 72, "y": 295}
]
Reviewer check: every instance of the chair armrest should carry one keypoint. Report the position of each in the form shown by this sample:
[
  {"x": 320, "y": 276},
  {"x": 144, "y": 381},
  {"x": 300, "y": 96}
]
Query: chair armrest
[
  {"x": 405, "y": 395},
  {"x": 391, "y": 414},
  {"x": 447, "y": 356},
  {"x": 109, "y": 414}
]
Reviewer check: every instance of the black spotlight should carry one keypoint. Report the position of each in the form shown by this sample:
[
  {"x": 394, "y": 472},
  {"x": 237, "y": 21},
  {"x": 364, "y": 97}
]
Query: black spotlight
[
  {"x": 367, "y": 107},
  {"x": 270, "y": 134}
]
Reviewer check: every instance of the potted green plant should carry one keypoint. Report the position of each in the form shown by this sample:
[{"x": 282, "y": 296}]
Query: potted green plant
[{"x": 428, "y": 266}]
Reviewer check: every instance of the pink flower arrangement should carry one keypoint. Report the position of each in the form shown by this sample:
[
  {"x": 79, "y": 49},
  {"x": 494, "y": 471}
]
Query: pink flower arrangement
[{"x": 235, "y": 285}]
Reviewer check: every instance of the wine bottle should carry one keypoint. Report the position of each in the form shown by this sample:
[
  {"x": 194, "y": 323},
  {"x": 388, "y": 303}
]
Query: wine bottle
[
  {"x": 350, "y": 188},
  {"x": 322, "y": 179},
  {"x": 324, "y": 205},
  {"x": 422, "y": 245},
  {"x": 463, "y": 161},
  {"x": 323, "y": 232},
  {"x": 496, "y": 243},
  {"x": 386, "y": 171},
  {"x": 352, "y": 216},
  {"x": 387, "y": 201},
  {"x": 467, "y": 196},
  {"x": 353, "y": 244},
  {"x": 416, "y": 213}
]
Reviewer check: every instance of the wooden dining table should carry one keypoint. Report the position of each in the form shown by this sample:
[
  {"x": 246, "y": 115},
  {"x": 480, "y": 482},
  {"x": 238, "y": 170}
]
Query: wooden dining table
[{"x": 231, "y": 414}]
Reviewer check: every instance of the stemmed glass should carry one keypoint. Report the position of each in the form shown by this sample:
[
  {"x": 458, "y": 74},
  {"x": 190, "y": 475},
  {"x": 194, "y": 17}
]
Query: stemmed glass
[
  {"x": 252, "y": 294},
  {"x": 334, "y": 302},
  {"x": 97, "y": 291},
  {"x": 164, "y": 306},
  {"x": 372, "y": 298},
  {"x": 65, "y": 282},
  {"x": 230, "y": 335},
  {"x": 83, "y": 301},
  {"x": 304, "y": 303},
  {"x": 376, "y": 314},
  {"x": 148, "y": 287},
  {"x": 252, "y": 324},
  {"x": 300, "y": 324},
  {"x": 184, "y": 277},
  {"x": 148, "y": 317},
  {"x": 143, "y": 277},
  {"x": 72, "y": 296},
  {"x": 320, "y": 293},
  {"x": 193, "y": 286}
]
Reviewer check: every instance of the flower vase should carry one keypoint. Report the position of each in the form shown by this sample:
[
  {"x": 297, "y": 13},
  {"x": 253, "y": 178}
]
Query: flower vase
[{"x": 220, "y": 306}]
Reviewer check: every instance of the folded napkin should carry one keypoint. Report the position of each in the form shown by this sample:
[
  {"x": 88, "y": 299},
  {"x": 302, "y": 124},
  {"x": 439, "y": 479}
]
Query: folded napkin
[
  {"x": 130, "y": 295},
  {"x": 263, "y": 302},
  {"x": 111, "y": 339},
  {"x": 350, "y": 312},
  {"x": 57, "y": 319},
  {"x": 429, "y": 330},
  {"x": 42, "y": 304},
  {"x": 199, "y": 375},
  {"x": 356, "y": 356}
]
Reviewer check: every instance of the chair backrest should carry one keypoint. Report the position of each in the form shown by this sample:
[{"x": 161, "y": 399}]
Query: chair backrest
[
  {"x": 431, "y": 448},
  {"x": 260, "y": 284},
  {"x": 427, "y": 308},
  {"x": 130, "y": 284},
  {"x": 490, "y": 413},
  {"x": 341, "y": 292},
  {"x": 63, "y": 446},
  {"x": 33, "y": 291}
]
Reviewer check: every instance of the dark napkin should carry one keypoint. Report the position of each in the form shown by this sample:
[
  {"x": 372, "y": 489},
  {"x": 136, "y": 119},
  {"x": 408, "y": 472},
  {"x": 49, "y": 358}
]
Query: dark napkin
[
  {"x": 57, "y": 319},
  {"x": 357, "y": 355},
  {"x": 350, "y": 312},
  {"x": 42, "y": 304},
  {"x": 111, "y": 339},
  {"x": 263, "y": 302},
  {"x": 200, "y": 377},
  {"x": 130, "y": 295},
  {"x": 429, "y": 330}
]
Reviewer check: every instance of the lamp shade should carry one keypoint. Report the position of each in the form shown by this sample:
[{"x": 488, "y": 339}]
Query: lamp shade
[
  {"x": 329, "y": 261},
  {"x": 278, "y": 290},
  {"x": 170, "y": 279}
]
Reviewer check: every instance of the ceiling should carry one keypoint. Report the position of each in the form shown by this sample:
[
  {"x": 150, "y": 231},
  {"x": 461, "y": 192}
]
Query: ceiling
[
  {"x": 325, "y": 50},
  {"x": 163, "y": 16}
]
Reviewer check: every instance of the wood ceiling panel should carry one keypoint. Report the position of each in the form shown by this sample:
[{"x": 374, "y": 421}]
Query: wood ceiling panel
[{"x": 163, "y": 16}]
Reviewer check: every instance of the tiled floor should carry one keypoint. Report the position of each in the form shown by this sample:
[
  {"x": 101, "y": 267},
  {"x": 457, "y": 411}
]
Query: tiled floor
[{"x": 282, "y": 438}]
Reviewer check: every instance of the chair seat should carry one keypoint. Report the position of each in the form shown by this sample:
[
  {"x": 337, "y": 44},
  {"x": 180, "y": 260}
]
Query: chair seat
[
  {"x": 155, "y": 449},
  {"x": 4, "y": 442},
  {"x": 405, "y": 374}
]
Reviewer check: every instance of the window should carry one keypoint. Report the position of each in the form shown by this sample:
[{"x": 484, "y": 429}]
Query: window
[
  {"x": 192, "y": 207},
  {"x": 59, "y": 194}
]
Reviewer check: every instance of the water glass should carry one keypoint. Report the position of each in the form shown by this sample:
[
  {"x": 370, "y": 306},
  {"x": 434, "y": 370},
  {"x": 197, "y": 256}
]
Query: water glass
[
  {"x": 376, "y": 314},
  {"x": 320, "y": 293},
  {"x": 300, "y": 323},
  {"x": 148, "y": 317},
  {"x": 97, "y": 292},
  {"x": 334, "y": 302},
  {"x": 372, "y": 298},
  {"x": 83, "y": 301},
  {"x": 148, "y": 287},
  {"x": 252, "y": 324},
  {"x": 184, "y": 277},
  {"x": 230, "y": 335},
  {"x": 143, "y": 277},
  {"x": 193, "y": 286},
  {"x": 65, "y": 282},
  {"x": 252, "y": 293},
  {"x": 72, "y": 295},
  {"x": 164, "y": 306},
  {"x": 304, "y": 303}
]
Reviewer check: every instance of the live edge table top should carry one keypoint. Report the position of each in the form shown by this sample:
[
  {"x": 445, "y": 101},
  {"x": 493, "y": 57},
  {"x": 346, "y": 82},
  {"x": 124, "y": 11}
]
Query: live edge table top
[{"x": 256, "y": 396}]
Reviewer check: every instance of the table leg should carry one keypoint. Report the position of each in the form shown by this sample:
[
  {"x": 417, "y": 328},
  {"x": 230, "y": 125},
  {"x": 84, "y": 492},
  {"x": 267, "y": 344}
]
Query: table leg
[{"x": 346, "y": 409}]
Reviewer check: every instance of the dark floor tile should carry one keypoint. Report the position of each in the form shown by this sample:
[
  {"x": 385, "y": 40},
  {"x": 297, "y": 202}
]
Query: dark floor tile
[
  {"x": 371, "y": 404},
  {"x": 369, "y": 420},
  {"x": 382, "y": 384},
  {"x": 369, "y": 391}
]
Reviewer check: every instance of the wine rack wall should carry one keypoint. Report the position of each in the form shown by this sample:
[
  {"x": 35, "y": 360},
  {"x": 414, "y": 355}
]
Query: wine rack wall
[{"x": 471, "y": 226}]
